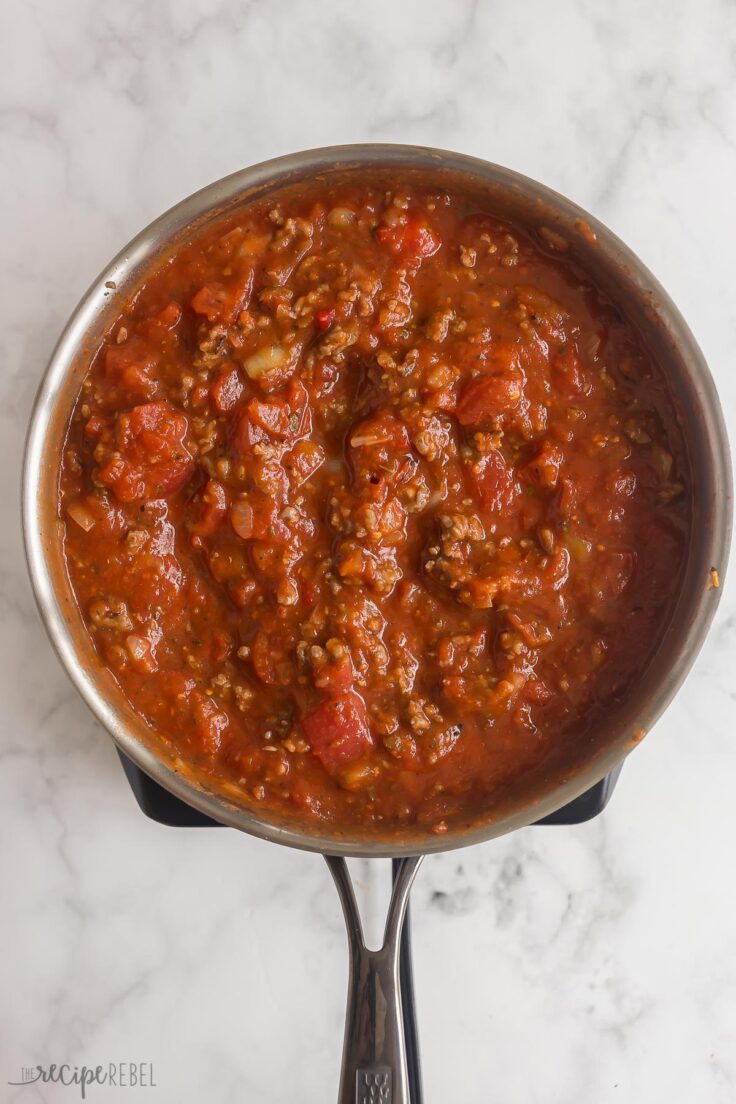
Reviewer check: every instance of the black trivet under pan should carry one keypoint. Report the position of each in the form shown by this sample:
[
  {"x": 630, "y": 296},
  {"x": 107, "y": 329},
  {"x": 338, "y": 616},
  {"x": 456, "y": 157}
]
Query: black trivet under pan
[{"x": 159, "y": 805}]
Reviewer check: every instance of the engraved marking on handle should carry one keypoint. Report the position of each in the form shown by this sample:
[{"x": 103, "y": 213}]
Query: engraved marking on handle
[{"x": 373, "y": 1086}]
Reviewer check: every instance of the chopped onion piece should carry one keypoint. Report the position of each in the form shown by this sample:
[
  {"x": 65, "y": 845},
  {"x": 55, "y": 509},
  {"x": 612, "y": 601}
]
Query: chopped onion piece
[
  {"x": 253, "y": 245},
  {"x": 265, "y": 360},
  {"x": 241, "y": 519},
  {"x": 84, "y": 517},
  {"x": 661, "y": 462},
  {"x": 366, "y": 440},
  {"x": 578, "y": 548},
  {"x": 357, "y": 775},
  {"x": 139, "y": 648},
  {"x": 340, "y": 218}
]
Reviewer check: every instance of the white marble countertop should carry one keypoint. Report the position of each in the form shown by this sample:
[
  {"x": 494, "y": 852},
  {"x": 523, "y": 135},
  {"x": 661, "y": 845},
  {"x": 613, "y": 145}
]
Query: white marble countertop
[{"x": 564, "y": 966}]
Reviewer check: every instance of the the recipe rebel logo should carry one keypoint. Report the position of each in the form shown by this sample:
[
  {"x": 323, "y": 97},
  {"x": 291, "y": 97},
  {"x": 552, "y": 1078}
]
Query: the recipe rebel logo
[{"x": 118, "y": 1075}]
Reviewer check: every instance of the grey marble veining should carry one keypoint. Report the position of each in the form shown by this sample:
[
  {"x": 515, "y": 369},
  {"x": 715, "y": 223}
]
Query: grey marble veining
[{"x": 556, "y": 966}]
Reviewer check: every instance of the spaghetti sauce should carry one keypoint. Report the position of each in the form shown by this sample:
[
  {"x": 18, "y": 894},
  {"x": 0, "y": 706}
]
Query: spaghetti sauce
[{"x": 371, "y": 499}]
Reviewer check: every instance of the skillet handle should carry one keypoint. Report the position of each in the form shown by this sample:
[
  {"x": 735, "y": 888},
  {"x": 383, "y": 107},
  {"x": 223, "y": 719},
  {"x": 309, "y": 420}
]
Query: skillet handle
[{"x": 374, "y": 1052}]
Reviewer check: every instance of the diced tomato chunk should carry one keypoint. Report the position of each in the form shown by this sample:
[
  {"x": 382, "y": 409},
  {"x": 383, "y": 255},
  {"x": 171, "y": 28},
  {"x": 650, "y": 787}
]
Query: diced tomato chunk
[
  {"x": 337, "y": 731},
  {"x": 486, "y": 397},
  {"x": 134, "y": 351},
  {"x": 410, "y": 235},
  {"x": 153, "y": 418},
  {"x": 199, "y": 394},
  {"x": 227, "y": 390},
  {"x": 151, "y": 459},
  {"x": 336, "y": 675},
  {"x": 457, "y": 688},
  {"x": 287, "y": 416},
  {"x": 544, "y": 468},
  {"x": 168, "y": 317},
  {"x": 270, "y": 659},
  {"x": 209, "y": 301},
  {"x": 211, "y": 509},
  {"x": 137, "y": 382},
  {"x": 271, "y": 416},
  {"x": 246, "y": 433},
  {"x": 568, "y": 372},
  {"x": 222, "y": 646},
  {"x": 94, "y": 427},
  {"x": 303, "y": 460},
  {"x": 381, "y": 431},
  {"x": 130, "y": 366},
  {"x": 220, "y": 302},
  {"x": 243, "y": 592},
  {"x": 492, "y": 480}
]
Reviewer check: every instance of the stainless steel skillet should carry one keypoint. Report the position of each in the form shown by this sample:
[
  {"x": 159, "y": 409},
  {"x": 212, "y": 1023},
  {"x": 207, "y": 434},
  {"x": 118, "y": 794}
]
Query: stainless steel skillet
[{"x": 374, "y": 1059}]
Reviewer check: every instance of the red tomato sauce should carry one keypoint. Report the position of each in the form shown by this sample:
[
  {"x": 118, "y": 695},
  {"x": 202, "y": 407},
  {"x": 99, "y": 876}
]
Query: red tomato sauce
[{"x": 371, "y": 501}]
